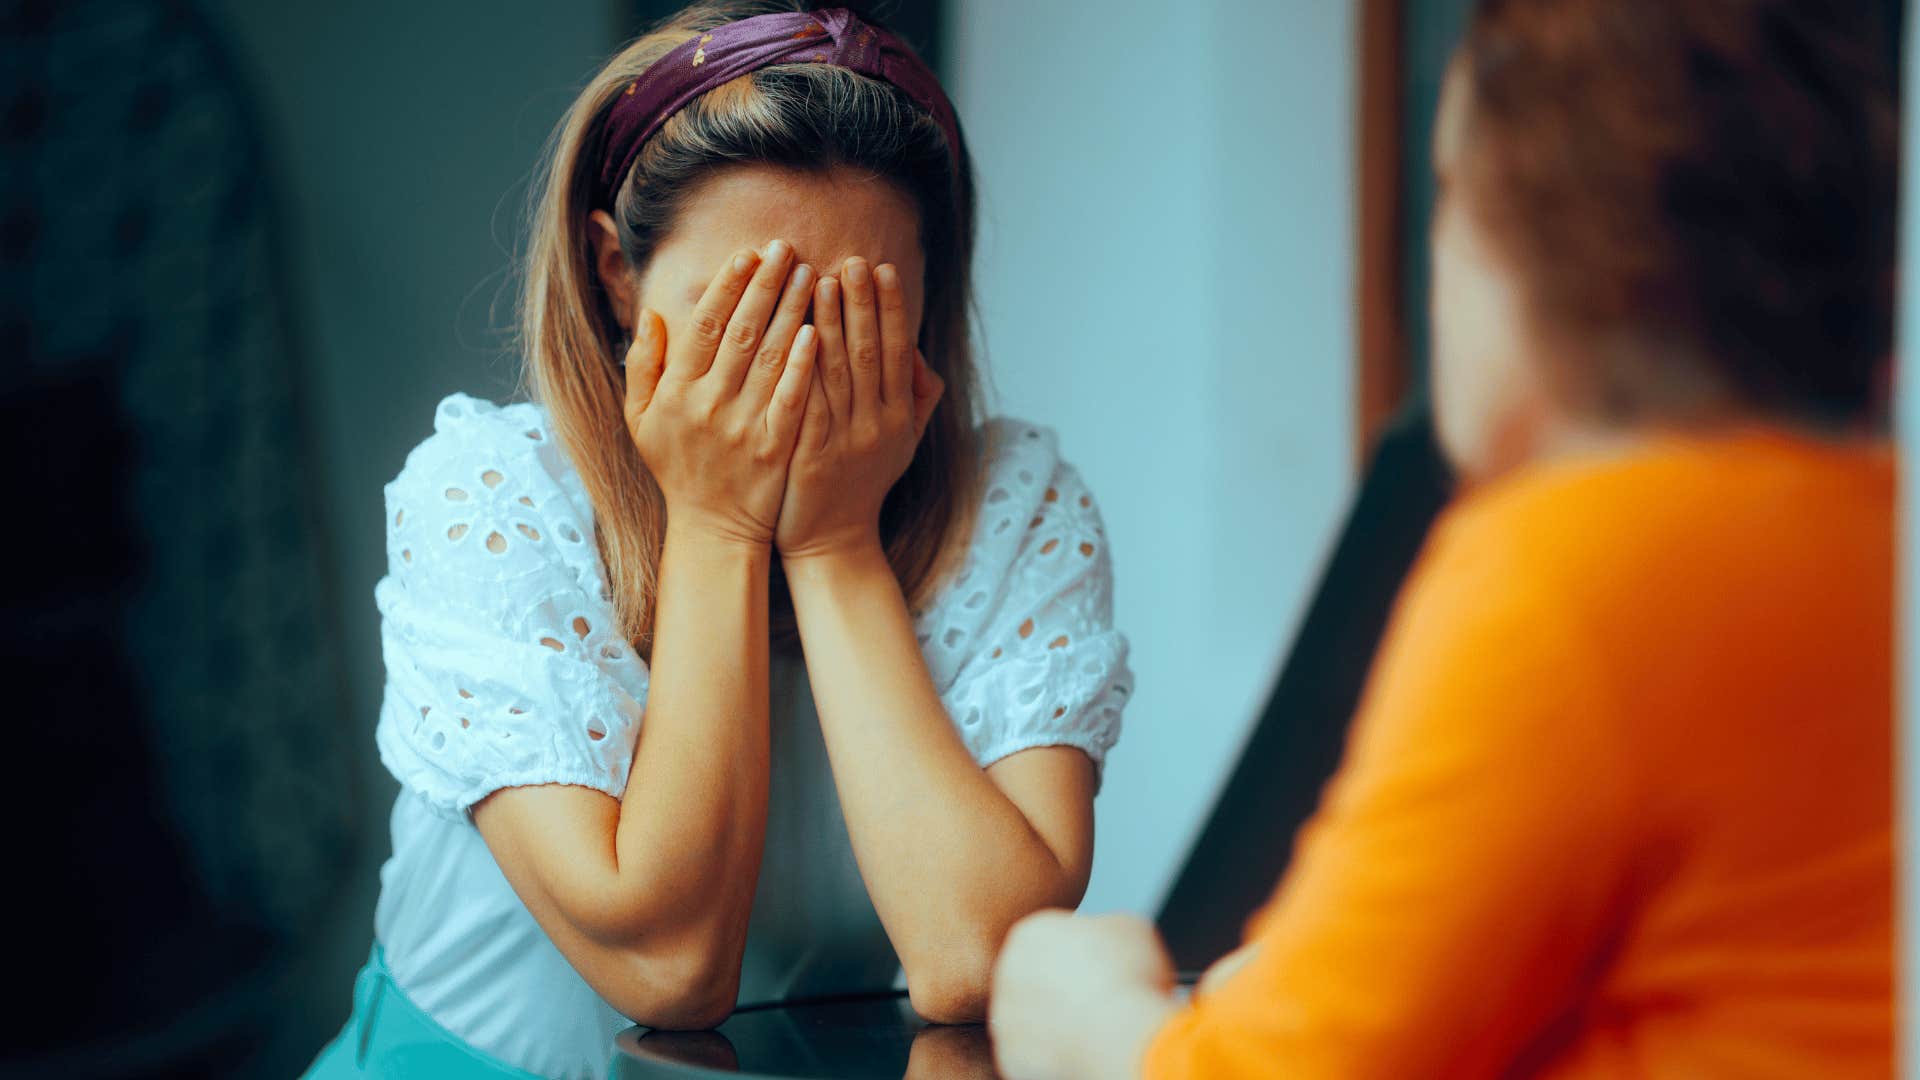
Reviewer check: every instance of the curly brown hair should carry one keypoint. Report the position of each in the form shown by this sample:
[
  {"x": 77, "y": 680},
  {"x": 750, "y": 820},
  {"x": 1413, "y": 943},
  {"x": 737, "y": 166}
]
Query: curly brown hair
[{"x": 1709, "y": 183}]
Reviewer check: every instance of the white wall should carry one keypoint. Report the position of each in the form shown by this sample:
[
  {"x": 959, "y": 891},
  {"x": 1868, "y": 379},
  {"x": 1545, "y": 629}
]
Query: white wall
[{"x": 1165, "y": 276}]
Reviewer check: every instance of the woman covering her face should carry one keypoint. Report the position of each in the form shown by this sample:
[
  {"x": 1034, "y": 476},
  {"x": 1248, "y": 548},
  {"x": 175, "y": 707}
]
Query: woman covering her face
[
  {"x": 1618, "y": 799},
  {"x": 628, "y": 795}
]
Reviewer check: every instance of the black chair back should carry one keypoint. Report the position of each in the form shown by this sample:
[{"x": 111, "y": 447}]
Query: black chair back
[{"x": 1297, "y": 743}]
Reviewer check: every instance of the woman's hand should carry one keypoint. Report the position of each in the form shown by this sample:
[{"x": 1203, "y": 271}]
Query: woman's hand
[
  {"x": 864, "y": 417},
  {"x": 715, "y": 414}
]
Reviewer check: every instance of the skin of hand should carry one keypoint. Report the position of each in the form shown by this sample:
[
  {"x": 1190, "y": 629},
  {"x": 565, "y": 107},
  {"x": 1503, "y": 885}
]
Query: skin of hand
[
  {"x": 715, "y": 414},
  {"x": 865, "y": 416},
  {"x": 648, "y": 896},
  {"x": 1077, "y": 996}
]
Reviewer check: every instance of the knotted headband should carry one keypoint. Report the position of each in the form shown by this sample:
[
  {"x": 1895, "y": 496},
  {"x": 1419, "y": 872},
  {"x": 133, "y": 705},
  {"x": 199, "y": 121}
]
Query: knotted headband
[{"x": 835, "y": 36}]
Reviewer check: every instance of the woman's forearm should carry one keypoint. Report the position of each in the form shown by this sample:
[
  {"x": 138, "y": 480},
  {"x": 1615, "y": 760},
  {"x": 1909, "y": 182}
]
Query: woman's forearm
[
  {"x": 648, "y": 896},
  {"x": 695, "y": 811},
  {"x": 950, "y": 861}
]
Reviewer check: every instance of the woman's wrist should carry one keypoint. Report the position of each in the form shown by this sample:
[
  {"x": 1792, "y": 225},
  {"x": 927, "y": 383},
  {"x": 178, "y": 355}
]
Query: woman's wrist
[
  {"x": 855, "y": 552},
  {"x": 718, "y": 533},
  {"x": 711, "y": 555}
]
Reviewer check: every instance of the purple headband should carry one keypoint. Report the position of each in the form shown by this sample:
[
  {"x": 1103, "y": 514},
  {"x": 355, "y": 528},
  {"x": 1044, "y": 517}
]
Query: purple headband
[{"x": 835, "y": 36}]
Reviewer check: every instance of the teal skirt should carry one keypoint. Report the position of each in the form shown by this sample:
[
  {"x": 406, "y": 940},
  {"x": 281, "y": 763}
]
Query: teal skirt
[{"x": 388, "y": 1036}]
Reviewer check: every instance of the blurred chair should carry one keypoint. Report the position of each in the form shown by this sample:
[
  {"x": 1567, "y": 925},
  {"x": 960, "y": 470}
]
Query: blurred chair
[{"x": 1300, "y": 736}]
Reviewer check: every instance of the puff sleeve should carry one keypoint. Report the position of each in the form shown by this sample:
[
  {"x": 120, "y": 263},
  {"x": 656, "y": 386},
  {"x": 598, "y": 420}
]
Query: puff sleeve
[
  {"x": 1021, "y": 643},
  {"x": 504, "y": 664}
]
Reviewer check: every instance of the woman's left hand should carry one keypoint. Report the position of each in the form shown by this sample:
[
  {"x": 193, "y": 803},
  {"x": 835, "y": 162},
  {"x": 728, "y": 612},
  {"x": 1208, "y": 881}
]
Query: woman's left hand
[{"x": 869, "y": 405}]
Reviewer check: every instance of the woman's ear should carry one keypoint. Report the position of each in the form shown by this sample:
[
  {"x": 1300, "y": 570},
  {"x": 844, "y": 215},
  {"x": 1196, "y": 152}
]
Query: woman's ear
[{"x": 610, "y": 265}]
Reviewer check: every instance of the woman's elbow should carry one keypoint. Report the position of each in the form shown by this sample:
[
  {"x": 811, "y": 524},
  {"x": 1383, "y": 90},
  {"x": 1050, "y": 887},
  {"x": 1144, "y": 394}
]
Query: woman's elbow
[
  {"x": 681, "y": 1009},
  {"x": 952, "y": 987},
  {"x": 683, "y": 994}
]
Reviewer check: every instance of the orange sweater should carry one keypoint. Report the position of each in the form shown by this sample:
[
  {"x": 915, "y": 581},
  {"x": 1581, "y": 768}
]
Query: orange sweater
[{"x": 1618, "y": 801}]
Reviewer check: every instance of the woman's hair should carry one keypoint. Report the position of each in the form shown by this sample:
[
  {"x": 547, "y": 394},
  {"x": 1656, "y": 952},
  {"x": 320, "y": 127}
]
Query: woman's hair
[
  {"x": 1698, "y": 194},
  {"x": 808, "y": 116}
]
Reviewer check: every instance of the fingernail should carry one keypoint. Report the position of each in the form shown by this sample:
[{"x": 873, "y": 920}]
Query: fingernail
[
  {"x": 887, "y": 276},
  {"x": 804, "y": 339},
  {"x": 857, "y": 271},
  {"x": 777, "y": 250},
  {"x": 744, "y": 261},
  {"x": 829, "y": 289},
  {"x": 802, "y": 276}
]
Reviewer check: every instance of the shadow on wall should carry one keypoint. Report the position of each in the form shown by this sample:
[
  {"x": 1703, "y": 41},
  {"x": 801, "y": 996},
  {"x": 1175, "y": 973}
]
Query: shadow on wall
[{"x": 187, "y": 802}]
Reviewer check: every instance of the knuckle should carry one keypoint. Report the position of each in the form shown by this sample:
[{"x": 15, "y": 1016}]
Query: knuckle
[
  {"x": 770, "y": 356},
  {"x": 743, "y": 335},
  {"x": 707, "y": 326},
  {"x": 865, "y": 355}
]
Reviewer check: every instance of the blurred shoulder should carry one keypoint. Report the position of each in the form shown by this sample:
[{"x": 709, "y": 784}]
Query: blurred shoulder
[{"x": 1677, "y": 511}]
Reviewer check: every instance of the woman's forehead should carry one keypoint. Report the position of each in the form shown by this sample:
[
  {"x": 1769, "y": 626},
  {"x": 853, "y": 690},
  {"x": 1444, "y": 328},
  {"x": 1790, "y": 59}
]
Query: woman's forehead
[{"x": 828, "y": 216}]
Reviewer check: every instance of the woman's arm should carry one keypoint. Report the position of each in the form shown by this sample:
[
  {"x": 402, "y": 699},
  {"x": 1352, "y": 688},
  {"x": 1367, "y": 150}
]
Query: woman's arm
[
  {"x": 649, "y": 896},
  {"x": 952, "y": 855}
]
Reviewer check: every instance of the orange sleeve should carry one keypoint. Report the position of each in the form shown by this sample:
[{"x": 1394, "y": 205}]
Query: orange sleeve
[{"x": 1468, "y": 857}]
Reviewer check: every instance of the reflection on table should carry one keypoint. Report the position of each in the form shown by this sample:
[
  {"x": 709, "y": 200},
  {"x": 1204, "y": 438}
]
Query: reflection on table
[{"x": 856, "y": 1038}]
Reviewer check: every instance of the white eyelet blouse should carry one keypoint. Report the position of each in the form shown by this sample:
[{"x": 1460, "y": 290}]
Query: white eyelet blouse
[{"x": 505, "y": 668}]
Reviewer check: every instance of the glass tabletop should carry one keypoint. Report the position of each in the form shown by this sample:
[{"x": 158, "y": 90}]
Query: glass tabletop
[{"x": 855, "y": 1037}]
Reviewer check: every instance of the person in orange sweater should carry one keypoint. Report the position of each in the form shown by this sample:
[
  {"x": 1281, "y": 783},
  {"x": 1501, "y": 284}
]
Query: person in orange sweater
[{"x": 1618, "y": 799}]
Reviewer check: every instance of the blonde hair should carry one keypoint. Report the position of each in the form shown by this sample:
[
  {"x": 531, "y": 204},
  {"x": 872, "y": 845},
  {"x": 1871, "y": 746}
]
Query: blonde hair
[{"x": 804, "y": 116}]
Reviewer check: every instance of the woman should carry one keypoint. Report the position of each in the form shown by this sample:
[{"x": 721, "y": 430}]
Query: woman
[
  {"x": 724, "y": 464},
  {"x": 1618, "y": 799}
]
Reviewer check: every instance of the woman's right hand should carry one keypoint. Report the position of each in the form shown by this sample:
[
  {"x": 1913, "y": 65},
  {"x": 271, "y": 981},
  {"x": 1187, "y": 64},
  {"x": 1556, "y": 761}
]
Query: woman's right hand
[{"x": 716, "y": 412}]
